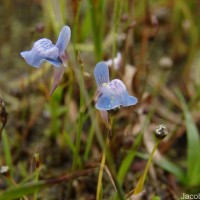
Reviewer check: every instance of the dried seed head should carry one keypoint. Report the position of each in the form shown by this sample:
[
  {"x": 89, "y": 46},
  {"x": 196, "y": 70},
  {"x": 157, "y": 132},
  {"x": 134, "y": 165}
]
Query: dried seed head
[
  {"x": 161, "y": 131},
  {"x": 4, "y": 170}
]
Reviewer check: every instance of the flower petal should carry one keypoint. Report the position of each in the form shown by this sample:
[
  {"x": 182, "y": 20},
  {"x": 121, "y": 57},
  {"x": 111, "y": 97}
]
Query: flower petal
[
  {"x": 101, "y": 73},
  {"x": 32, "y": 58},
  {"x": 106, "y": 102},
  {"x": 117, "y": 91},
  {"x": 42, "y": 50},
  {"x": 63, "y": 39},
  {"x": 45, "y": 48},
  {"x": 129, "y": 100}
]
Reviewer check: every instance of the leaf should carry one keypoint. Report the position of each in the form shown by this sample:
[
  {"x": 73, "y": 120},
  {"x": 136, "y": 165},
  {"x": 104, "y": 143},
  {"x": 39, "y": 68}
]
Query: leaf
[
  {"x": 193, "y": 146},
  {"x": 21, "y": 190},
  {"x": 29, "y": 188},
  {"x": 7, "y": 150},
  {"x": 172, "y": 168},
  {"x": 168, "y": 166},
  {"x": 126, "y": 163}
]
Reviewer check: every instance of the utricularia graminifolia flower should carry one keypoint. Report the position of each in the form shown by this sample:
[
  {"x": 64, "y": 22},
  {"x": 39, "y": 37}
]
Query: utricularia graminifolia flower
[
  {"x": 111, "y": 94},
  {"x": 45, "y": 50}
]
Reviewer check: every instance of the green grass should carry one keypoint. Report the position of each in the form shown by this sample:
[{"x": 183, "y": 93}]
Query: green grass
[
  {"x": 7, "y": 151},
  {"x": 70, "y": 126},
  {"x": 193, "y": 146}
]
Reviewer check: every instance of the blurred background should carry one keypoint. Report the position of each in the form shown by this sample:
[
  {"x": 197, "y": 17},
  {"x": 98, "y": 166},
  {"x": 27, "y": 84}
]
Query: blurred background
[{"x": 155, "y": 47}]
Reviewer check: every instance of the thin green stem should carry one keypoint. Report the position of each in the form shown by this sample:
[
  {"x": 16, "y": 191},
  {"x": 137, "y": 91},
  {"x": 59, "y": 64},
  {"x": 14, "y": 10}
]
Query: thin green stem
[
  {"x": 117, "y": 13},
  {"x": 89, "y": 142},
  {"x": 7, "y": 151},
  {"x": 80, "y": 124},
  {"x": 78, "y": 142},
  {"x": 76, "y": 24},
  {"x": 102, "y": 165},
  {"x": 141, "y": 181},
  {"x": 37, "y": 162},
  {"x": 36, "y": 180},
  {"x": 76, "y": 158},
  {"x": 15, "y": 184},
  {"x": 95, "y": 30}
]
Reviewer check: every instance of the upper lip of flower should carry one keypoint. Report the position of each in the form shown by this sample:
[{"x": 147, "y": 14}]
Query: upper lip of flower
[{"x": 44, "y": 50}]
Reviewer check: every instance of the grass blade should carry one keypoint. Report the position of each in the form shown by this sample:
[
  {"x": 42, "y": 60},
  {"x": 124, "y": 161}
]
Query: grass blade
[
  {"x": 96, "y": 30},
  {"x": 29, "y": 188},
  {"x": 126, "y": 163},
  {"x": 7, "y": 151},
  {"x": 193, "y": 145},
  {"x": 168, "y": 166},
  {"x": 89, "y": 143},
  {"x": 20, "y": 191}
]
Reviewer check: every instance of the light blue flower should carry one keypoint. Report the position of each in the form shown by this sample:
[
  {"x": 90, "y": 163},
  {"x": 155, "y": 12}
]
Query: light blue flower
[
  {"x": 111, "y": 94},
  {"x": 44, "y": 50}
]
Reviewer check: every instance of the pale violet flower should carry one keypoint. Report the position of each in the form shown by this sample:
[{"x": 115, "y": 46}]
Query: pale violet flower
[
  {"x": 111, "y": 94},
  {"x": 45, "y": 50}
]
